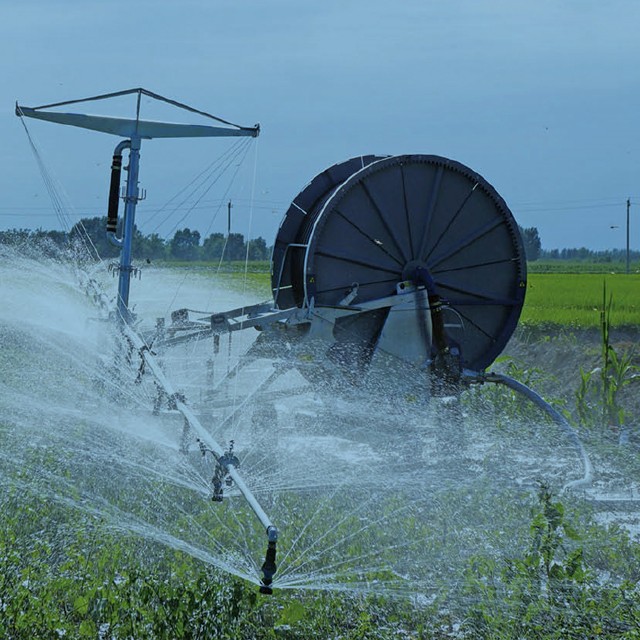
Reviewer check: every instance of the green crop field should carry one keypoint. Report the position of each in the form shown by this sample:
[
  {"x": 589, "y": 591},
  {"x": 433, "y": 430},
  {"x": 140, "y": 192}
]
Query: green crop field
[
  {"x": 575, "y": 299},
  {"x": 566, "y": 299}
]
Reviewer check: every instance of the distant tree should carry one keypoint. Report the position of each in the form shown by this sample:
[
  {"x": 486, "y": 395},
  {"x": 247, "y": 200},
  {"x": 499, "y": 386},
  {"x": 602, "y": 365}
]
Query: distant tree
[
  {"x": 584, "y": 253},
  {"x": 153, "y": 247},
  {"x": 138, "y": 244},
  {"x": 55, "y": 237},
  {"x": 236, "y": 247},
  {"x": 185, "y": 245},
  {"x": 95, "y": 229},
  {"x": 50, "y": 242},
  {"x": 212, "y": 247},
  {"x": 15, "y": 236},
  {"x": 258, "y": 249},
  {"x": 532, "y": 243},
  {"x": 47, "y": 243}
]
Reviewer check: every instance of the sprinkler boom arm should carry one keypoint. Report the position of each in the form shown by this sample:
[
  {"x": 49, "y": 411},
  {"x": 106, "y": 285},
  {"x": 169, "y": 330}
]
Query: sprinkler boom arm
[
  {"x": 205, "y": 440},
  {"x": 269, "y": 567}
]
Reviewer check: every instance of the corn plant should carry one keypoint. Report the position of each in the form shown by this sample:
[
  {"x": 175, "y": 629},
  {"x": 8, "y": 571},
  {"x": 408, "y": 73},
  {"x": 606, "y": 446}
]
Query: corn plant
[{"x": 599, "y": 390}]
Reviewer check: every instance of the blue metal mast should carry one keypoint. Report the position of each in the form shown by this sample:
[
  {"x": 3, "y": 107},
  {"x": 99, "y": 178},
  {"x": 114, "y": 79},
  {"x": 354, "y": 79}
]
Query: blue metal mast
[
  {"x": 131, "y": 200},
  {"x": 134, "y": 131}
]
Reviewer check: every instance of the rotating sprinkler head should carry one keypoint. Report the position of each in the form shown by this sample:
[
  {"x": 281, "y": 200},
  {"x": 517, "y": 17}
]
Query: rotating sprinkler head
[{"x": 269, "y": 566}]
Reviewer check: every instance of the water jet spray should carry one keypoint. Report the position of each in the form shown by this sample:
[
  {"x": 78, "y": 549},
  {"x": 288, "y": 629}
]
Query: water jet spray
[{"x": 401, "y": 272}]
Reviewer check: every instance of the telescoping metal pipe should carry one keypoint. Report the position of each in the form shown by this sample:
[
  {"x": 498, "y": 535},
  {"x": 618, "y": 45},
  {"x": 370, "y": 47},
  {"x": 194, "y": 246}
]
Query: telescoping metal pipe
[{"x": 269, "y": 566}]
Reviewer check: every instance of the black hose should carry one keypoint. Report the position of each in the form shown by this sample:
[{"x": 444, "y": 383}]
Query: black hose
[
  {"x": 114, "y": 193},
  {"x": 555, "y": 415},
  {"x": 269, "y": 567}
]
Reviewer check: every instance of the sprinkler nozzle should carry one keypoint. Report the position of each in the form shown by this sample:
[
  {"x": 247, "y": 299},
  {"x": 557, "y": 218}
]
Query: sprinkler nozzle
[{"x": 269, "y": 567}]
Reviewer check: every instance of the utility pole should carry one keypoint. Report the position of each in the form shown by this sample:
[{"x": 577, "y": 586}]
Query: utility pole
[
  {"x": 229, "y": 219},
  {"x": 628, "y": 208}
]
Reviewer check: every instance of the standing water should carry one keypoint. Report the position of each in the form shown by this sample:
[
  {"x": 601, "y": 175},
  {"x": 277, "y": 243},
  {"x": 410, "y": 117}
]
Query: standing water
[{"x": 370, "y": 488}]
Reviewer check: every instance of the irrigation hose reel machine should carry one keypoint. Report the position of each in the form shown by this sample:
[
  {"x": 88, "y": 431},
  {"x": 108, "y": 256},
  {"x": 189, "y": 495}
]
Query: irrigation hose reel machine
[
  {"x": 405, "y": 270},
  {"x": 405, "y": 273}
]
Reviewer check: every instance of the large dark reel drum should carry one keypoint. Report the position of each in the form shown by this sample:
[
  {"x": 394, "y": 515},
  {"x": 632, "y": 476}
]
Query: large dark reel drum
[{"x": 379, "y": 222}]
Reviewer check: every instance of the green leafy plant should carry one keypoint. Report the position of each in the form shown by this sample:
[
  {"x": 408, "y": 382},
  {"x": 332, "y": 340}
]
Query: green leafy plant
[
  {"x": 547, "y": 590},
  {"x": 598, "y": 396}
]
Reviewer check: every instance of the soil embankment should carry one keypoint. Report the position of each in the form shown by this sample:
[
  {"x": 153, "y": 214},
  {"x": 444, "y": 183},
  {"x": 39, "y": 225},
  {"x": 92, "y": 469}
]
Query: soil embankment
[{"x": 554, "y": 358}]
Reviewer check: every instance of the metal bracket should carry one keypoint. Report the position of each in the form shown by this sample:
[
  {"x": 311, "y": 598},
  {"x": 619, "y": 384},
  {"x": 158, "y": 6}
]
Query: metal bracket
[
  {"x": 115, "y": 269},
  {"x": 221, "y": 476}
]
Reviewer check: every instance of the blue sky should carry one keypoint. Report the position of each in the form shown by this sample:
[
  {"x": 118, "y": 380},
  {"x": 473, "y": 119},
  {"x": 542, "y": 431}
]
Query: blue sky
[{"x": 542, "y": 98}]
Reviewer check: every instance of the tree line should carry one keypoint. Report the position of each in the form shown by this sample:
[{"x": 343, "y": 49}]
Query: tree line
[
  {"x": 534, "y": 251},
  {"x": 583, "y": 254},
  {"x": 186, "y": 244}
]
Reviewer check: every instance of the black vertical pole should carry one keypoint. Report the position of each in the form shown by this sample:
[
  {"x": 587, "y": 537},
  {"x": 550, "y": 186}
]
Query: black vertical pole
[
  {"x": 628, "y": 207},
  {"x": 229, "y": 218}
]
